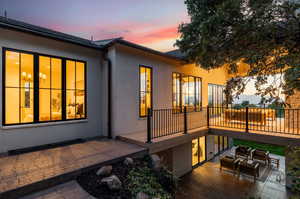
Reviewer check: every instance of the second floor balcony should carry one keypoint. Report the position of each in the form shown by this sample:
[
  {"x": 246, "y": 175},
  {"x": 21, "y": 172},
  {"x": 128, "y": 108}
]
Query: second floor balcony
[{"x": 277, "y": 126}]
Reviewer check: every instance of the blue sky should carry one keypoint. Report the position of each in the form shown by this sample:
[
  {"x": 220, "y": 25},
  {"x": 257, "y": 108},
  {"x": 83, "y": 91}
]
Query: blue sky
[{"x": 148, "y": 22}]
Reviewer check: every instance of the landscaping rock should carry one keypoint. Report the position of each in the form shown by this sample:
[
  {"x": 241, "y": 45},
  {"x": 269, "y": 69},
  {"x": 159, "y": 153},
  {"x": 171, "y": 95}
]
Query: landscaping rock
[
  {"x": 155, "y": 162},
  {"x": 128, "y": 162},
  {"x": 104, "y": 171},
  {"x": 113, "y": 182},
  {"x": 142, "y": 195}
]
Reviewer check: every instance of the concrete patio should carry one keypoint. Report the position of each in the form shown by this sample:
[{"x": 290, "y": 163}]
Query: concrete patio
[{"x": 29, "y": 172}]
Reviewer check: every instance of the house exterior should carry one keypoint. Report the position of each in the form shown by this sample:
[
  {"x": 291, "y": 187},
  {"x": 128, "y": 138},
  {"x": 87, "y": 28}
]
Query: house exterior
[{"x": 57, "y": 87}]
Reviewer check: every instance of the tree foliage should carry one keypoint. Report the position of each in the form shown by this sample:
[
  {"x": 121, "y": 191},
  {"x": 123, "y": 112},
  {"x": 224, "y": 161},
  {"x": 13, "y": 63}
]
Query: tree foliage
[{"x": 264, "y": 35}]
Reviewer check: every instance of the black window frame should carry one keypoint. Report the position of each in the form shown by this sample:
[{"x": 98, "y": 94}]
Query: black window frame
[
  {"x": 181, "y": 106},
  {"x": 151, "y": 91},
  {"x": 36, "y": 86}
]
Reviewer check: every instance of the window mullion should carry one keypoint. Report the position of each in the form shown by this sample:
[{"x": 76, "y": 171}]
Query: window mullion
[
  {"x": 63, "y": 94},
  {"x": 36, "y": 88},
  {"x": 20, "y": 71}
]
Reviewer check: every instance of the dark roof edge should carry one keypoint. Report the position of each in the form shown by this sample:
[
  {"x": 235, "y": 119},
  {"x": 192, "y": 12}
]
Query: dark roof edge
[
  {"x": 43, "y": 32},
  {"x": 143, "y": 48}
]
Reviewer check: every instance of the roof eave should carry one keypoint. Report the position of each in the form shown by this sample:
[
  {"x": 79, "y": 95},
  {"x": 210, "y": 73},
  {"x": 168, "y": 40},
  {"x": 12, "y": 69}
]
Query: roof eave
[{"x": 47, "y": 35}]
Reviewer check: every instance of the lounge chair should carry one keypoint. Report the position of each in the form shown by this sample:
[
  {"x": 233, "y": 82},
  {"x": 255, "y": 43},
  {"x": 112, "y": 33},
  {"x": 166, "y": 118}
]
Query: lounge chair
[
  {"x": 243, "y": 151},
  {"x": 261, "y": 155},
  {"x": 251, "y": 169},
  {"x": 229, "y": 162}
]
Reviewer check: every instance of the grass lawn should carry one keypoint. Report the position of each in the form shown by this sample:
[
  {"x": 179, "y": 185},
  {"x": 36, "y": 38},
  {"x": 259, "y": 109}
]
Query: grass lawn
[{"x": 275, "y": 149}]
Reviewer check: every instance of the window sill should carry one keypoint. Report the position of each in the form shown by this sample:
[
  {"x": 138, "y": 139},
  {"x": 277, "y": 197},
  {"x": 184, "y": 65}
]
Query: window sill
[{"x": 44, "y": 124}]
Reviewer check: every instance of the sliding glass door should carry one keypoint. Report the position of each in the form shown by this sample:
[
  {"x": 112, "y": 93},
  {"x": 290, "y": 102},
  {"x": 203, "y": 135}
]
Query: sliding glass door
[
  {"x": 198, "y": 150},
  {"x": 220, "y": 144}
]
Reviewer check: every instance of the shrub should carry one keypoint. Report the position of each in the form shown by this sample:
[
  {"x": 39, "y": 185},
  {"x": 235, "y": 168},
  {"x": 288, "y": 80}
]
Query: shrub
[{"x": 145, "y": 180}]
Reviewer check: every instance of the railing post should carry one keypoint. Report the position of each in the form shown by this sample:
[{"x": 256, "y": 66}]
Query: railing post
[
  {"x": 207, "y": 115},
  {"x": 149, "y": 129},
  {"x": 185, "y": 120},
  {"x": 247, "y": 119}
]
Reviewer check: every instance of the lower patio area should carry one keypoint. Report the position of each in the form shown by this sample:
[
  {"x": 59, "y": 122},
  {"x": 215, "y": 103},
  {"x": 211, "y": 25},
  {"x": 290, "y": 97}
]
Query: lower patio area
[{"x": 207, "y": 181}]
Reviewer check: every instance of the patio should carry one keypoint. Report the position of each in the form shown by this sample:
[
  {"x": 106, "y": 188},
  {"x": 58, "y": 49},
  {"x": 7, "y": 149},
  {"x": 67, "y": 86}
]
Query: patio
[
  {"x": 207, "y": 181},
  {"x": 30, "y": 172}
]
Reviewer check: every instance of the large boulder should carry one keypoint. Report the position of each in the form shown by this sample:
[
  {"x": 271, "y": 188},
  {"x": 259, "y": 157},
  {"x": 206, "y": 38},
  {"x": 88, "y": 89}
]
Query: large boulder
[
  {"x": 128, "y": 161},
  {"x": 155, "y": 162},
  {"x": 113, "y": 182},
  {"x": 104, "y": 171},
  {"x": 142, "y": 195}
]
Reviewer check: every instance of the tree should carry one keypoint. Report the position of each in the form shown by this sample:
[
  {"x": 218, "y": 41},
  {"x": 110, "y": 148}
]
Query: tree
[{"x": 262, "y": 35}]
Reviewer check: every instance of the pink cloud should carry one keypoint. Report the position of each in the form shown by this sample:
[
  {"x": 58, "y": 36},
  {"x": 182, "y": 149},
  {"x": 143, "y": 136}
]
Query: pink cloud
[{"x": 140, "y": 33}]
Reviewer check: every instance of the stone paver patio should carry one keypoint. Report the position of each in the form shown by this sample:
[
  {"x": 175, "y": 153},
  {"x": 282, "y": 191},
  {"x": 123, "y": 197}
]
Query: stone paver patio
[
  {"x": 69, "y": 190},
  {"x": 27, "y": 171},
  {"x": 207, "y": 182}
]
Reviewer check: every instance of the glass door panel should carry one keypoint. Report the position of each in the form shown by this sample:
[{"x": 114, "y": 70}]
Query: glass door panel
[
  {"x": 202, "y": 149},
  {"x": 216, "y": 144},
  {"x": 195, "y": 152}
]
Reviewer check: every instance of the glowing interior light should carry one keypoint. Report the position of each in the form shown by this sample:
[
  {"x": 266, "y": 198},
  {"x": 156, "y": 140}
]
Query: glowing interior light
[{"x": 24, "y": 74}]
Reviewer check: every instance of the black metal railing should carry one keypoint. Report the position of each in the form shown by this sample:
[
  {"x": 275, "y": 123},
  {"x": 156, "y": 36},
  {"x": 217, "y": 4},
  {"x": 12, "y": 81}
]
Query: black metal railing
[
  {"x": 279, "y": 120},
  {"x": 165, "y": 122}
]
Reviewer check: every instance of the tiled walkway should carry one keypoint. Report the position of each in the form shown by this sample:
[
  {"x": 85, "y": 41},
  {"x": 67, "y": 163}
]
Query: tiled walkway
[
  {"x": 207, "y": 182},
  {"x": 27, "y": 169},
  {"x": 69, "y": 190}
]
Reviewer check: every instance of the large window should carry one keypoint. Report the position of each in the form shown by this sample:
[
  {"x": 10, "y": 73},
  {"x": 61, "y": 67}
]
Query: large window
[
  {"x": 216, "y": 96},
  {"x": 41, "y": 88},
  {"x": 186, "y": 92},
  {"x": 216, "y": 99},
  {"x": 145, "y": 75}
]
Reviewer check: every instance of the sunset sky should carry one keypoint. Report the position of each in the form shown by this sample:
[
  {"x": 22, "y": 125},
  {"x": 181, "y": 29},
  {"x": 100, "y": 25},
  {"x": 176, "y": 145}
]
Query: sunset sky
[{"x": 152, "y": 23}]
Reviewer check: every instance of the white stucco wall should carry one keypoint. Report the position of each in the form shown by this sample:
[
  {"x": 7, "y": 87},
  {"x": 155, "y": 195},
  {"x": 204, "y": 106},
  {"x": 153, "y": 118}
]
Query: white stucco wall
[
  {"x": 33, "y": 135},
  {"x": 126, "y": 62},
  {"x": 182, "y": 159}
]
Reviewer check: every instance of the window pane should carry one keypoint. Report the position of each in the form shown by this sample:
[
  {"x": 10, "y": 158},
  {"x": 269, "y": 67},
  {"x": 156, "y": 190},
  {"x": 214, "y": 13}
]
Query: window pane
[
  {"x": 225, "y": 142},
  {"x": 221, "y": 143},
  {"x": 44, "y": 104},
  {"x": 12, "y": 69},
  {"x": 195, "y": 152},
  {"x": 202, "y": 149},
  {"x": 70, "y": 76},
  {"x": 142, "y": 104},
  {"x": 44, "y": 69},
  {"x": 56, "y": 109},
  {"x": 191, "y": 94},
  {"x": 185, "y": 91},
  {"x": 56, "y": 75},
  {"x": 12, "y": 114},
  {"x": 216, "y": 144},
  {"x": 145, "y": 90},
  {"x": 26, "y": 105},
  {"x": 26, "y": 70},
  {"x": 80, "y": 109},
  {"x": 70, "y": 105},
  {"x": 80, "y": 76}
]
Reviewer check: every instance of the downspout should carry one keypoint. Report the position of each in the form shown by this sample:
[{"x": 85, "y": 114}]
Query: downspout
[{"x": 109, "y": 92}]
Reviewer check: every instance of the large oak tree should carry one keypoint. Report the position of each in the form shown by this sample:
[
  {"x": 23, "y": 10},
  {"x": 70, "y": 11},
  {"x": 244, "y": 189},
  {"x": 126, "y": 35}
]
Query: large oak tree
[{"x": 262, "y": 34}]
